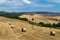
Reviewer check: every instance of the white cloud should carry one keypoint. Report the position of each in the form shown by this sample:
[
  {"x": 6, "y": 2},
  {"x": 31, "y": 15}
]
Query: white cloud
[
  {"x": 54, "y": 1},
  {"x": 27, "y": 1},
  {"x": 14, "y": 3},
  {"x": 11, "y": 3},
  {"x": 46, "y": 5},
  {"x": 2, "y": 1},
  {"x": 43, "y": 5}
]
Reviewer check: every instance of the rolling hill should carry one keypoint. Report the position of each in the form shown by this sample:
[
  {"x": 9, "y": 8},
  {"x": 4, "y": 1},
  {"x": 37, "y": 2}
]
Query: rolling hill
[{"x": 33, "y": 32}]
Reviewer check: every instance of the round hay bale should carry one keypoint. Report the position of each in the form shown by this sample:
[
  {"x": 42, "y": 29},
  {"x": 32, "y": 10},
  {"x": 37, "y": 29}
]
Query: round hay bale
[
  {"x": 32, "y": 19},
  {"x": 23, "y": 29},
  {"x": 9, "y": 23},
  {"x": 52, "y": 33},
  {"x": 12, "y": 26}
]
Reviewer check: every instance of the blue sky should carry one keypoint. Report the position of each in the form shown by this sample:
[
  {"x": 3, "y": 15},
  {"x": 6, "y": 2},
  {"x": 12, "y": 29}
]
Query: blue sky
[{"x": 30, "y": 5}]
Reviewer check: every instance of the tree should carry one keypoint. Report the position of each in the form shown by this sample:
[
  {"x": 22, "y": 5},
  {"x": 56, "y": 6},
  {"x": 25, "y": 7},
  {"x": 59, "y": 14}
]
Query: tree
[
  {"x": 54, "y": 25},
  {"x": 41, "y": 23},
  {"x": 58, "y": 24},
  {"x": 47, "y": 25},
  {"x": 24, "y": 19}
]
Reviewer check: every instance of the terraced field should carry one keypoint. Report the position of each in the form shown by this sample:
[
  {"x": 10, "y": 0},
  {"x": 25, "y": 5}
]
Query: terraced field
[{"x": 33, "y": 32}]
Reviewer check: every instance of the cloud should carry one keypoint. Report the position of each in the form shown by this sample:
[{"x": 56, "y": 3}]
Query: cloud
[
  {"x": 54, "y": 1},
  {"x": 11, "y": 3},
  {"x": 46, "y": 5},
  {"x": 2, "y": 1},
  {"x": 43, "y": 5},
  {"x": 14, "y": 3},
  {"x": 27, "y": 1},
  {"x": 23, "y": 5}
]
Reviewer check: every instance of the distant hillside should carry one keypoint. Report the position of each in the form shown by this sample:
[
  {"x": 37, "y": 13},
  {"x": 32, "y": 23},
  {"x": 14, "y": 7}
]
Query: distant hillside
[{"x": 48, "y": 13}]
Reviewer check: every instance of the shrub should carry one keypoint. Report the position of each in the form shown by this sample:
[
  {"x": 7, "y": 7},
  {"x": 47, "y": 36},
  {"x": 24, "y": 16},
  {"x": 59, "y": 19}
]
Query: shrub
[
  {"x": 47, "y": 25},
  {"x": 24, "y": 19},
  {"x": 58, "y": 24},
  {"x": 54, "y": 25},
  {"x": 41, "y": 23}
]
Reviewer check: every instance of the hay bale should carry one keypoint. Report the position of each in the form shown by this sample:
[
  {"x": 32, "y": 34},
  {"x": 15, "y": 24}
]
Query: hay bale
[
  {"x": 32, "y": 19},
  {"x": 52, "y": 33},
  {"x": 12, "y": 26},
  {"x": 9, "y": 23},
  {"x": 23, "y": 29}
]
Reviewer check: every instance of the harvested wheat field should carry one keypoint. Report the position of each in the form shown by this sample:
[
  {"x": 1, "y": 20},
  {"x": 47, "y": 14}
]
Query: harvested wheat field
[
  {"x": 41, "y": 18},
  {"x": 33, "y": 32}
]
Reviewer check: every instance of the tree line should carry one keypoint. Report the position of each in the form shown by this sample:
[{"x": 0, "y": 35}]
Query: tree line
[{"x": 54, "y": 25}]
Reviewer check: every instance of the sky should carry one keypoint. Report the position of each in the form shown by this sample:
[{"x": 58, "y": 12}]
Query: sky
[{"x": 30, "y": 5}]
